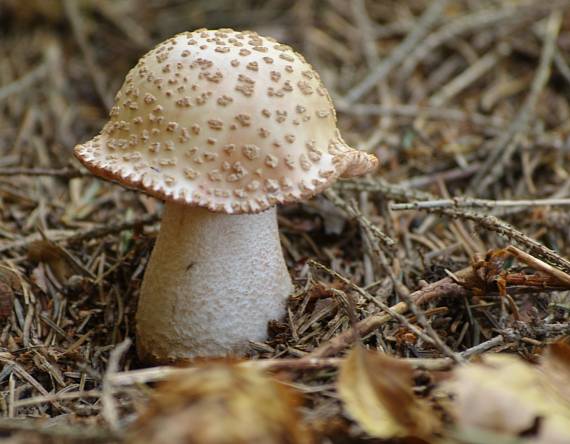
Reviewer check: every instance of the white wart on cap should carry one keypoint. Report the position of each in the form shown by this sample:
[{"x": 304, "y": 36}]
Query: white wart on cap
[{"x": 226, "y": 120}]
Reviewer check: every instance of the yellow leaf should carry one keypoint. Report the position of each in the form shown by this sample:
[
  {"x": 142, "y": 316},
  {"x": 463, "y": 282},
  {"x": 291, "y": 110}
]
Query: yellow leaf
[
  {"x": 506, "y": 395},
  {"x": 377, "y": 392}
]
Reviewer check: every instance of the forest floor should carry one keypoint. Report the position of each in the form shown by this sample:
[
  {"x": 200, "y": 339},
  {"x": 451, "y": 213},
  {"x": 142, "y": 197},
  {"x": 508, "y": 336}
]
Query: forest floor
[{"x": 449, "y": 263}]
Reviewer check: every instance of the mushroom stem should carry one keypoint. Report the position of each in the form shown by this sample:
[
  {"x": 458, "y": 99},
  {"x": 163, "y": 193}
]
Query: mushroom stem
[{"x": 212, "y": 283}]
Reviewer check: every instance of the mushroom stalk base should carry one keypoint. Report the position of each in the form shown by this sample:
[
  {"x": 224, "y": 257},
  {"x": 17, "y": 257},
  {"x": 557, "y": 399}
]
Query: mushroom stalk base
[{"x": 212, "y": 283}]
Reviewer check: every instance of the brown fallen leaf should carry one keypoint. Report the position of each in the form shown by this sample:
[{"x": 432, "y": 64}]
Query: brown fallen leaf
[
  {"x": 221, "y": 403},
  {"x": 377, "y": 392},
  {"x": 506, "y": 395}
]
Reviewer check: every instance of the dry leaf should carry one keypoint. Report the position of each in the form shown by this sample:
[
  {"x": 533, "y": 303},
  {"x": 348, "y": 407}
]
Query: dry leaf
[
  {"x": 218, "y": 404},
  {"x": 506, "y": 395},
  {"x": 377, "y": 391}
]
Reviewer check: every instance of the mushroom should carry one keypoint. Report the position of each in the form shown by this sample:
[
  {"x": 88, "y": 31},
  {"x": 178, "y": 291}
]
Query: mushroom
[{"x": 222, "y": 125}]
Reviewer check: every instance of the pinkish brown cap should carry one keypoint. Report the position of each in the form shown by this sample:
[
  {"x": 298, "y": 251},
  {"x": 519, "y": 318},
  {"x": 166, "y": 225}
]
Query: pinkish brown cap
[{"x": 226, "y": 120}]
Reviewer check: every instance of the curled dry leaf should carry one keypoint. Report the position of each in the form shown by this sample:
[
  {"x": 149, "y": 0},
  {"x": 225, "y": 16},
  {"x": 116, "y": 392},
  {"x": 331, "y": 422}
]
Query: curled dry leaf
[
  {"x": 377, "y": 392},
  {"x": 506, "y": 395},
  {"x": 221, "y": 403}
]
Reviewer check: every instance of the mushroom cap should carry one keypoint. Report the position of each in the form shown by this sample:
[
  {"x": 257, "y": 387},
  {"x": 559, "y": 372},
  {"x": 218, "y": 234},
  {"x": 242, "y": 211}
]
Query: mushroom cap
[{"x": 226, "y": 120}]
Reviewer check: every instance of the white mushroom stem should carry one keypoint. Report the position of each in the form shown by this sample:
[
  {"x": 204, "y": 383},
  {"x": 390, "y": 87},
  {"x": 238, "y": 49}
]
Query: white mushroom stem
[{"x": 212, "y": 283}]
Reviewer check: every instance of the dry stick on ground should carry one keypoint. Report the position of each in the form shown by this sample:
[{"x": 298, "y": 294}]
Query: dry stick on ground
[
  {"x": 483, "y": 346},
  {"x": 463, "y": 202},
  {"x": 390, "y": 191},
  {"x": 160, "y": 373},
  {"x": 488, "y": 222},
  {"x": 507, "y": 144},
  {"x": 537, "y": 264},
  {"x": 426, "y": 21},
  {"x": 60, "y": 396},
  {"x": 443, "y": 287},
  {"x": 155, "y": 374},
  {"x": 506, "y": 230}
]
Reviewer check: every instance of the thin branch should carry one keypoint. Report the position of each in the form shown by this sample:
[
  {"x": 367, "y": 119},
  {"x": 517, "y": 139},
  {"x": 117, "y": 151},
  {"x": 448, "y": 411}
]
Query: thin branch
[
  {"x": 156, "y": 374},
  {"x": 537, "y": 264},
  {"x": 507, "y": 231},
  {"x": 61, "y": 396},
  {"x": 467, "y": 202},
  {"x": 483, "y": 346},
  {"x": 485, "y": 221}
]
